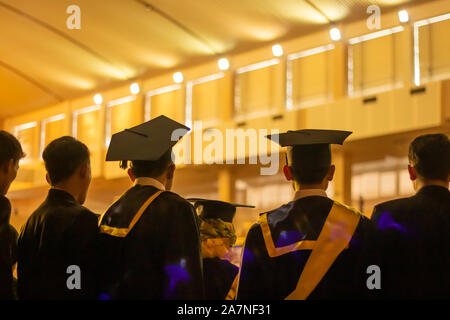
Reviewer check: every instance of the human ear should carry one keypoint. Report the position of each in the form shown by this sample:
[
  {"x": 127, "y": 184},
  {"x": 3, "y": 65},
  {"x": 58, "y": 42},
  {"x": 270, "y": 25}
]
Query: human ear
[
  {"x": 331, "y": 172},
  {"x": 131, "y": 175},
  {"x": 170, "y": 171},
  {"x": 287, "y": 173},
  {"x": 7, "y": 166},
  {"x": 83, "y": 171},
  {"x": 412, "y": 173}
]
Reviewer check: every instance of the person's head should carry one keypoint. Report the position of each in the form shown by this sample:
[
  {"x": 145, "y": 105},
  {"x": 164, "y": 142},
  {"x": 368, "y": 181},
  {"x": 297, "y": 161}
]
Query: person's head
[
  {"x": 68, "y": 166},
  {"x": 429, "y": 160},
  {"x": 309, "y": 166},
  {"x": 217, "y": 237},
  {"x": 10, "y": 154},
  {"x": 162, "y": 169}
]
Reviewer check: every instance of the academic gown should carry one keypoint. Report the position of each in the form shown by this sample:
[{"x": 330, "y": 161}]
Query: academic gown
[
  {"x": 413, "y": 241},
  {"x": 60, "y": 233},
  {"x": 219, "y": 276},
  {"x": 8, "y": 248},
  {"x": 150, "y": 252},
  {"x": 302, "y": 251}
]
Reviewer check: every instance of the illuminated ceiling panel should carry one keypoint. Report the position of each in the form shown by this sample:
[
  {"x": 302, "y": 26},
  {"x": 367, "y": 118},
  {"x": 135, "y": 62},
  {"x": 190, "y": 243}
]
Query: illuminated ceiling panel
[{"x": 119, "y": 40}]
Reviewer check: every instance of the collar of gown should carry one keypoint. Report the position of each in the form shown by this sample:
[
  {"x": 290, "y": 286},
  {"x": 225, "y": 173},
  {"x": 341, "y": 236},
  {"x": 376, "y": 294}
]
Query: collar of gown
[
  {"x": 310, "y": 193},
  {"x": 147, "y": 181},
  {"x": 57, "y": 194}
]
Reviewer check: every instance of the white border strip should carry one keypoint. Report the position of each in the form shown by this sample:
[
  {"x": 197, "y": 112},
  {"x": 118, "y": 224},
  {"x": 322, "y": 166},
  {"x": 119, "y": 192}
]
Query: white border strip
[
  {"x": 375, "y": 35},
  {"x": 24, "y": 126},
  {"x": 259, "y": 65},
  {"x": 310, "y": 52},
  {"x": 350, "y": 71},
  {"x": 121, "y": 101}
]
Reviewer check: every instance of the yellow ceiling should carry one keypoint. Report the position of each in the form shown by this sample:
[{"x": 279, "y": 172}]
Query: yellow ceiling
[{"x": 43, "y": 62}]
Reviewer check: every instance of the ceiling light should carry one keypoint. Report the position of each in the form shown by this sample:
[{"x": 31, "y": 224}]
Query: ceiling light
[
  {"x": 335, "y": 34},
  {"x": 223, "y": 64},
  {"x": 98, "y": 98},
  {"x": 277, "y": 50},
  {"x": 134, "y": 88},
  {"x": 178, "y": 77},
  {"x": 403, "y": 16}
]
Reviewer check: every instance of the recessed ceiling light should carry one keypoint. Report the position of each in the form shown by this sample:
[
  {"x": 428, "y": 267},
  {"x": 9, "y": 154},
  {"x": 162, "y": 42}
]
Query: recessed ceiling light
[
  {"x": 335, "y": 34},
  {"x": 178, "y": 77},
  {"x": 223, "y": 64},
  {"x": 403, "y": 16},
  {"x": 134, "y": 88},
  {"x": 277, "y": 50},
  {"x": 98, "y": 99}
]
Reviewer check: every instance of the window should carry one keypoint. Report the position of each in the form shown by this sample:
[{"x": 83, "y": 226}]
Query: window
[
  {"x": 374, "y": 61},
  {"x": 431, "y": 48},
  {"x": 121, "y": 114},
  {"x": 28, "y": 136},
  {"x": 205, "y": 98},
  {"x": 308, "y": 80},
  {"x": 257, "y": 87},
  {"x": 168, "y": 101},
  {"x": 51, "y": 129}
]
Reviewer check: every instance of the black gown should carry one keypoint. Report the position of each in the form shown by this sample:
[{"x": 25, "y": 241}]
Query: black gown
[
  {"x": 219, "y": 276},
  {"x": 280, "y": 246},
  {"x": 60, "y": 233},
  {"x": 413, "y": 242},
  {"x": 8, "y": 248},
  {"x": 150, "y": 254}
]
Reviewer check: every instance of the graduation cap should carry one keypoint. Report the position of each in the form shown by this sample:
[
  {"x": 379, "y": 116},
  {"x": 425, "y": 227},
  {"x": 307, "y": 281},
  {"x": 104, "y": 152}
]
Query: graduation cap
[
  {"x": 310, "y": 142},
  {"x": 310, "y": 137},
  {"x": 215, "y": 209},
  {"x": 147, "y": 141}
]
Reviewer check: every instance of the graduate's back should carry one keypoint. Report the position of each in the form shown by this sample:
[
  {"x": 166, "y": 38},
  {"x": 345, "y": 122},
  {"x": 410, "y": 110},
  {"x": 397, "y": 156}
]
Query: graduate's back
[
  {"x": 311, "y": 247},
  {"x": 149, "y": 237},
  {"x": 286, "y": 254},
  {"x": 159, "y": 257}
]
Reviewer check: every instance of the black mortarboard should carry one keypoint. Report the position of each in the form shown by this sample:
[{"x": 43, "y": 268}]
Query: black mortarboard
[
  {"x": 147, "y": 141},
  {"x": 215, "y": 209},
  {"x": 310, "y": 137},
  {"x": 311, "y": 145}
]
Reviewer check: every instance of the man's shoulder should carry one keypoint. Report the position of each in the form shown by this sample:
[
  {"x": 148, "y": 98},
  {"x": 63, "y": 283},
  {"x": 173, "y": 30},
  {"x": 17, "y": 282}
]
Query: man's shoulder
[
  {"x": 172, "y": 196},
  {"x": 145, "y": 192},
  {"x": 171, "y": 199},
  {"x": 395, "y": 205},
  {"x": 348, "y": 209},
  {"x": 170, "y": 204},
  {"x": 48, "y": 213}
]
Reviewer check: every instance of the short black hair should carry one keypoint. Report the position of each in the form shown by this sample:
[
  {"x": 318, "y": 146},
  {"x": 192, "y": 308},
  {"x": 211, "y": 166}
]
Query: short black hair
[
  {"x": 10, "y": 148},
  {"x": 152, "y": 169},
  {"x": 310, "y": 163},
  {"x": 63, "y": 156},
  {"x": 430, "y": 156}
]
